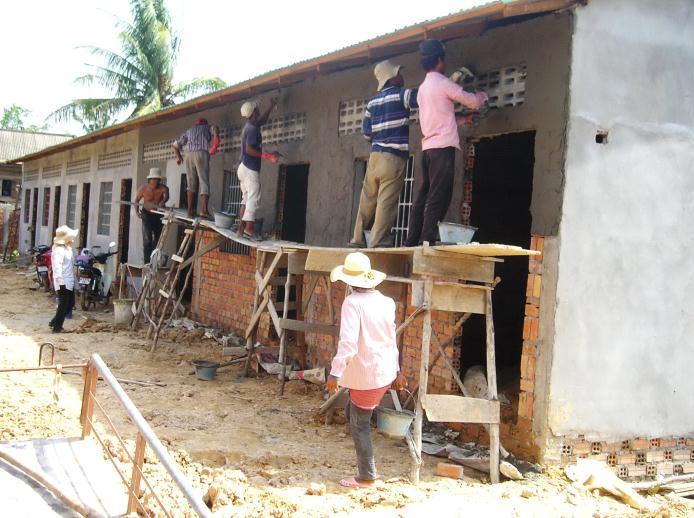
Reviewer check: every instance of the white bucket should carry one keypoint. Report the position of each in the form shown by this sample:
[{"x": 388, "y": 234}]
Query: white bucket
[
  {"x": 393, "y": 423},
  {"x": 122, "y": 311}
]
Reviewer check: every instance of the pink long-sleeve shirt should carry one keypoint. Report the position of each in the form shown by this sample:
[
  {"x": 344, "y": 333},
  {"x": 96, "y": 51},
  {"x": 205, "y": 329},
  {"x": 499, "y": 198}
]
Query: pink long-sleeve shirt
[
  {"x": 436, "y": 97},
  {"x": 367, "y": 353}
]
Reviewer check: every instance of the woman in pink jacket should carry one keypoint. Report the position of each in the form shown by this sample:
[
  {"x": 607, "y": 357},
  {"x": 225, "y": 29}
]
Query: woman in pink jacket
[{"x": 367, "y": 360}]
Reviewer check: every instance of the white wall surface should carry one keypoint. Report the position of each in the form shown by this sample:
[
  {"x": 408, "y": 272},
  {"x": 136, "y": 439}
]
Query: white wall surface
[{"x": 624, "y": 342}]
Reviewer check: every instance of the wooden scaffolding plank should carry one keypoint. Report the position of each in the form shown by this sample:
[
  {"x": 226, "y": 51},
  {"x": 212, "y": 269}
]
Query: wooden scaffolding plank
[
  {"x": 459, "y": 409},
  {"x": 325, "y": 259},
  {"x": 309, "y": 327},
  {"x": 457, "y": 266},
  {"x": 459, "y": 298}
]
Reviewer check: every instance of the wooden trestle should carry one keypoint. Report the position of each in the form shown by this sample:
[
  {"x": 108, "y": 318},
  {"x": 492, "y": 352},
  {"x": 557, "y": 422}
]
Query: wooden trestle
[{"x": 454, "y": 278}]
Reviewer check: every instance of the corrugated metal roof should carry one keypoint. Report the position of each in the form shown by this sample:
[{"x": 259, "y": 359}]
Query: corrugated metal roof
[
  {"x": 14, "y": 144},
  {"x": 371, "y": 50}
]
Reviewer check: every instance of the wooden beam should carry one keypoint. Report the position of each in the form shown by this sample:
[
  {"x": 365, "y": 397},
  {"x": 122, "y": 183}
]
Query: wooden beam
[
  {"x": 274, "y": 316},
  {"x": 270, "y": 271},
  {"x": 459, "y": 409},
  {"x": 203, "y": 250},
  {"x": 256, "y": 316},
  {"x": 309, "y": 295},
  {"x": 464, "y": 268},
  {"x": 309, "y": 327},
  {"x": 324, "y": 260},
  {"x": 459, "y": 298},
  {"x": 494, "y": 441}
]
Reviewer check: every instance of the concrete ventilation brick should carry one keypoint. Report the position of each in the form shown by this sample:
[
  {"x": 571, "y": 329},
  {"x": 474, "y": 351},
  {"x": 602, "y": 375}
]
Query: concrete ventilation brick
[
  {"x": 286, "y": 128},
  {"x": 83, "y": 165},
  {"x": 158, "y": 151},
  {"x": 31, "y": 174},
  {"x": 230, "y": 139},
  {"x": 640, "y": 458},
  {"x": 612, "y": 459},
  {"x": 595, "y": 448},
  {"x": 505, "y": 86},
  {"x": 626, "y": 445},
  {"x": 351, "y": 116},
  {"x": 622, "y": 472},
  {"x": 51, "y": 171},
  {"x": 115, "y": 159}
]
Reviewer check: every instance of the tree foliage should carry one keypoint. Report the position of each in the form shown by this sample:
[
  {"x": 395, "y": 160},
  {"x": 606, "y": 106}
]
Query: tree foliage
[
  {"x": 140, "y": 76},
  {"x": 14, "y": 118}
]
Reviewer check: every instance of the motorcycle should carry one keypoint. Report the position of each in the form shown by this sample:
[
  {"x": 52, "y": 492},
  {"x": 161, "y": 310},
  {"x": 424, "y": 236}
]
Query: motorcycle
[
  {"x": 95, "y": 273},
  {"x": 42, "y": 261}
]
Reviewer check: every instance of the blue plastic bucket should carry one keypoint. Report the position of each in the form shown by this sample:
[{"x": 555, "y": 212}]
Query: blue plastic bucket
[{"x": 205, "y": 370}]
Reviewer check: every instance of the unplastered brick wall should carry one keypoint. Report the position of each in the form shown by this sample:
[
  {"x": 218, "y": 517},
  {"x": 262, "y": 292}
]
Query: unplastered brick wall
[
  {"x": 223, "y": 290},
  {"x": 322, "y": 348},
  {"x": 635, "y": 459}
]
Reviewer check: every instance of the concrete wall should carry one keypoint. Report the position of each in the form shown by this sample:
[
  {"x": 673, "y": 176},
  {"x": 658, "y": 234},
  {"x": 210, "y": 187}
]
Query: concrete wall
[
  {"x": 622, "y": 359},
  {"x": 543, "y": 44},
  {"x": 95, "y": 178}
]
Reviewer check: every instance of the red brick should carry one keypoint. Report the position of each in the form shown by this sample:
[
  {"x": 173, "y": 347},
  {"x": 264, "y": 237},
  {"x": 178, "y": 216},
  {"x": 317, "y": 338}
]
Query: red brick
[
  {"x": 532, "y": 310},
  {"x": 444, "y": 469}
]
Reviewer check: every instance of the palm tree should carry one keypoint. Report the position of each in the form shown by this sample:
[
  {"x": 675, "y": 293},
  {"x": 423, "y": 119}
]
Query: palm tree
[{"x": 140, "y": 76}]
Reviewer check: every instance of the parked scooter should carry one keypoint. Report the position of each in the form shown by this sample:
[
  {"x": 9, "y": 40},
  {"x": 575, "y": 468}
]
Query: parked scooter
[
  {"x": 42, "y": 261},
  {"x": 95, "y": 273}
]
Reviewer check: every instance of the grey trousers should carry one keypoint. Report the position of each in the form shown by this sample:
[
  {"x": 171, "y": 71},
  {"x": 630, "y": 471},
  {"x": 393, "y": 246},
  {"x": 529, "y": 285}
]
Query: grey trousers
[
  {"x": 198, "y": 168},
  {"x": 360, "y": 427}
]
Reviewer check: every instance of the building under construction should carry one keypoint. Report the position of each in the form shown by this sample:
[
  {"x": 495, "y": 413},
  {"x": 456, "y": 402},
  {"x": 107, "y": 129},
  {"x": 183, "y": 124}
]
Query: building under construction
[{"x": 579, "y": 159}]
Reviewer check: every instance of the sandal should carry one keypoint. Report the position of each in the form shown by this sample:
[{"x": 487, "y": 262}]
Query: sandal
[
  {"x": 252, "y": 237},
  {"x": 353, "y": 482}
]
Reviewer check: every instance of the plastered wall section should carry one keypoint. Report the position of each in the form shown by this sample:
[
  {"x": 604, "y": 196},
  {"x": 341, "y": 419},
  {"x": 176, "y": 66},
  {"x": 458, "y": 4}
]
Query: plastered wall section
[
  {"x": 94, "y": 177},
  {"x": 623, "y": 349},
  {"x": 543, "y": 44}
]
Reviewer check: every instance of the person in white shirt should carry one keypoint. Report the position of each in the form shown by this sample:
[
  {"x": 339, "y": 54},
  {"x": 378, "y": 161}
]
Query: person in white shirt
[
  {"x": 63, "y": 265},
  {"x": 367, "y": 360}
]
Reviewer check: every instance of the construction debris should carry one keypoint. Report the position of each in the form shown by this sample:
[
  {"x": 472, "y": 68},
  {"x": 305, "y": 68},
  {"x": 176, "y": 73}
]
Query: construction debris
[{"x": 594, "y": 475}]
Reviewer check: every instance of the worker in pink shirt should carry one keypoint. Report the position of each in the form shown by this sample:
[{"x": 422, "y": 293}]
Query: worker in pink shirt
[
  {"x": 367, "y": 360},
  {"x": 437, "y": 118}
]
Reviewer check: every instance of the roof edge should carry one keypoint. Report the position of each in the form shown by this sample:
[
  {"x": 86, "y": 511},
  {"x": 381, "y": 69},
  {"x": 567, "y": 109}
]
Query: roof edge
[{"x": 254, "y": 86}]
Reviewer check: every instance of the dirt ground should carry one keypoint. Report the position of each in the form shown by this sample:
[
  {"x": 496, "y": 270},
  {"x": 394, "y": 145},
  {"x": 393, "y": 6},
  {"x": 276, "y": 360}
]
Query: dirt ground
[{"x": 249, "y": 452}]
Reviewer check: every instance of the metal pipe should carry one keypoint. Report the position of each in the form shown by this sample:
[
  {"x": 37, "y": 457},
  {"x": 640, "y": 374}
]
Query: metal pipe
[
  {"x": 151, "y": 438},
  {"x": 47, "y": 367}
]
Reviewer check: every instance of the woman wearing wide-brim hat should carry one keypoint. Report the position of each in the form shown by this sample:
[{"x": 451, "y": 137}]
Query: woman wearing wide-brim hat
[
  {"x": 367, "y": 360},
  {"x": 62, "y": 264}
]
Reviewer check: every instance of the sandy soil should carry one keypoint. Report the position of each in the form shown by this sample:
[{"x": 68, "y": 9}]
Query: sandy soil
[{"x": 249, "y": 452}]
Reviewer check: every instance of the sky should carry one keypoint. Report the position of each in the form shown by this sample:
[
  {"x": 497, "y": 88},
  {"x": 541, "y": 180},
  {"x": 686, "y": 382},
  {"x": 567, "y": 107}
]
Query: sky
[{"x": 224, "y": 38}]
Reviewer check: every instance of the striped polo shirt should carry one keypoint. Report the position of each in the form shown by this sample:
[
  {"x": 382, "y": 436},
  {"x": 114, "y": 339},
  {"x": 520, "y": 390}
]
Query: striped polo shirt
[
  {"x": 387, "y": 120},
  {"x": 196, "y": 138}
]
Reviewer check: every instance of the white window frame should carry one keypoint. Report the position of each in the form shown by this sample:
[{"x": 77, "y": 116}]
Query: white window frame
[{"x": 71, "y": 206}]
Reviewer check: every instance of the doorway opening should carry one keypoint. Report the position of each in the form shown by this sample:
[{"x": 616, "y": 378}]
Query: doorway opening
[
  {"x": 502, "y": 181},
  {"x": 56, "y": 209},
  {"x": 84, "y": 214},
  {"x": 126, "y": 187},
  {"x": 34, "y": 217},
  {"x": 293, "y": 198}
]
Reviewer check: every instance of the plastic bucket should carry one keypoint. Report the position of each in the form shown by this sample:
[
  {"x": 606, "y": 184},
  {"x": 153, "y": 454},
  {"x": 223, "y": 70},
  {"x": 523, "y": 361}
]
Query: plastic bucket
[
  {"x": 205, "y": 370},
  {"x": 455, "y": 233},
  {"x": 122, "y": 311},
  {"x": 223, "y": 220},
  {"x": 393, "y": 423}
]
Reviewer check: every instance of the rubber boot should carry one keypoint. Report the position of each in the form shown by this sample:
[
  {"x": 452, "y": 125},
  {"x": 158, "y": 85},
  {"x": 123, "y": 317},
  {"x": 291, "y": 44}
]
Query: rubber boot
[{"x": 190, "y": 197}]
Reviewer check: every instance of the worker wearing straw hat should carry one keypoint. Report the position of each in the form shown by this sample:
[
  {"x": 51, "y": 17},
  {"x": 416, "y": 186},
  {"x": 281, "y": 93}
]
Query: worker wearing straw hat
[
  {"x": 153, "y": 194},
  {"x": 62, "y": 264},
  {"x": 367, "y": 360}
]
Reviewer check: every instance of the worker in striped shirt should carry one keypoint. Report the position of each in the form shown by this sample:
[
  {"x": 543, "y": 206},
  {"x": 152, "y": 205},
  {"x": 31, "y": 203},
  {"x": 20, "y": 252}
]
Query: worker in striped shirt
[{"x": 386, "y": 125}]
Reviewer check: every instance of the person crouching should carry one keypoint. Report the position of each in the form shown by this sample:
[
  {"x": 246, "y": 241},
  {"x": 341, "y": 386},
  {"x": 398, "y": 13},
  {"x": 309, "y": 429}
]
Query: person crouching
[{"x": 367, "y": 359}]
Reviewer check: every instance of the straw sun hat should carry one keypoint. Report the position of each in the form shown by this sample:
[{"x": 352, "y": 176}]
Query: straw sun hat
[
  {"x": 65, "y": 235},
  {"x": 357, "y": 272}
]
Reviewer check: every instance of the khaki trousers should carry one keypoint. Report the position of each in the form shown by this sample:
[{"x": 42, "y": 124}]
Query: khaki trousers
[{"x": 378, "y": 204}]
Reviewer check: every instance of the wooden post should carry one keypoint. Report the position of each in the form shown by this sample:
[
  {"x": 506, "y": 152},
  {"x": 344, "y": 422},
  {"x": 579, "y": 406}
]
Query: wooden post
[
  {"x": 87, "y": 399},
  {"x": 423, "y": 381},
  {"x": 300, "y": 336},
  {"x": 283, "y": 334},
  {"x": 139, "y": 458},
  {"x": 250, "y": 341},
  {"x": 491, "y": 386}
]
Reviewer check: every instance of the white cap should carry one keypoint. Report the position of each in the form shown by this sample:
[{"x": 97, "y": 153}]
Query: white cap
[
  {"x": 154, "y": 173},
  {"x": 248, "y": 108},
  {"x": 384, "y": 71}
]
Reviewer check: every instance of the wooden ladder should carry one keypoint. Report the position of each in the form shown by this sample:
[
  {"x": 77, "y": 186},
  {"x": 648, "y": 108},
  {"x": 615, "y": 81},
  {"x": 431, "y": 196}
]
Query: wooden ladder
[{"x": 167, "y": 293}]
